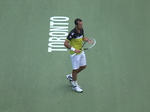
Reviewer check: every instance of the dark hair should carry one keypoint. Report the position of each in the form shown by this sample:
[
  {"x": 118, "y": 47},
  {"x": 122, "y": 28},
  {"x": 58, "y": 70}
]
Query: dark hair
[{"x": 76, "y": 21}]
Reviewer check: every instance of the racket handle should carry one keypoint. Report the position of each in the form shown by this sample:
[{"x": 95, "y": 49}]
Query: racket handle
[{"x": 73, "y": 55}]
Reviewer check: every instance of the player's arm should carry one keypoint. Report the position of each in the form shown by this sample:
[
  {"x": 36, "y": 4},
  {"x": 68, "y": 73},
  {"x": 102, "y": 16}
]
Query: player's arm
[
  {"x": 67, "y": 45},
  {"x": 88, "y": 40},
  {"x": 85, "y": 39}
]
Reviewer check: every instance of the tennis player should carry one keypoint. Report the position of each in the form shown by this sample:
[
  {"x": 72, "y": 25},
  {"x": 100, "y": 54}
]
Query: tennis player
[{"x": 74, "y": 43}]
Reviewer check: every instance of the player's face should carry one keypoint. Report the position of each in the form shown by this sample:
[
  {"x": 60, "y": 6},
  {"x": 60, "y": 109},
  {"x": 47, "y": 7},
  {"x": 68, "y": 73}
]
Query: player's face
[{"x": 79, "y": 26}]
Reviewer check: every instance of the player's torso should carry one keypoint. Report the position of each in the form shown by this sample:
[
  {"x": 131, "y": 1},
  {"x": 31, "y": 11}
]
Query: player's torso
[{"x": 77, "y": 39}]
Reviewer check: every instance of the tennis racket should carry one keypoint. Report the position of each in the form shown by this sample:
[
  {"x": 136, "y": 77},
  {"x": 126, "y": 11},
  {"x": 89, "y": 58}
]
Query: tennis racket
[{"x": 87, "y": 45}]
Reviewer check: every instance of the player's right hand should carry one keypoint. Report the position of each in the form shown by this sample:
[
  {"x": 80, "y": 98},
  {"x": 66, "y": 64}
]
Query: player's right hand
[{"x": 77, "y": 51}]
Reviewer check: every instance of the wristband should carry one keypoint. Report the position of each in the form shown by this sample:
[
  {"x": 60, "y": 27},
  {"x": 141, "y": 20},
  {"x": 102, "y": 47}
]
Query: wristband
[{"x": 72, "y": 49}]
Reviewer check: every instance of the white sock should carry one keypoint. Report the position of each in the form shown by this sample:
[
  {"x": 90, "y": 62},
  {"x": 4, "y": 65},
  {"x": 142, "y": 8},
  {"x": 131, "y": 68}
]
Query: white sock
[
  {"x": 75, "y": 83},
  {"x": 70, "y": 75}
]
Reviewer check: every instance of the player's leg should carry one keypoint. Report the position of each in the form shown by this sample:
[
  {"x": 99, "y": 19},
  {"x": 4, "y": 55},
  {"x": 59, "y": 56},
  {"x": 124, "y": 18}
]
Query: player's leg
[
  {"x": 75, "y": 72},
  {"x": 74, "y": 75},
  {"x": 81, "y": 68},
  {"x": 76, "y": 66}
]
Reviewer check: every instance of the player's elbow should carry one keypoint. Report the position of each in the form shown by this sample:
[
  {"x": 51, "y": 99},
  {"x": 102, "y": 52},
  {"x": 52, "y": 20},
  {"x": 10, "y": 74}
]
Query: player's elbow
[{"x": 66, "y": 43}]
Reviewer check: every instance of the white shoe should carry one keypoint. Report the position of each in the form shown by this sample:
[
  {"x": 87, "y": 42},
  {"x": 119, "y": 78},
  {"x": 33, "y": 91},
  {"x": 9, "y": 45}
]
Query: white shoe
[
  {"x": 69, "y": 77},
  {"x": 77, "y": 89}
]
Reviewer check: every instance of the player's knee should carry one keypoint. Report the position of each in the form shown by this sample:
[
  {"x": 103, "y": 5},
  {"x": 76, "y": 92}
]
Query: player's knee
[{"x": 83, "y": 67}]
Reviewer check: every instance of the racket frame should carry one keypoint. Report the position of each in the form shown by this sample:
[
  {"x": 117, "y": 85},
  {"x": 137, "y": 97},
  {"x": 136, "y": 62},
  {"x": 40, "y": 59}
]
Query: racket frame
[{"x": 85, "y": 48}]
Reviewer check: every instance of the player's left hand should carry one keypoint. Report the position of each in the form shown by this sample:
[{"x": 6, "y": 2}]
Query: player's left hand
[{"x": 90, "y": 41}]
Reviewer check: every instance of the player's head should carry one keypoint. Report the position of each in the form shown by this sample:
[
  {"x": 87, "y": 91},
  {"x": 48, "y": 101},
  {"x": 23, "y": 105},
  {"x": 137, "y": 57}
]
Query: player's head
[{"x": 78, "y": 23}]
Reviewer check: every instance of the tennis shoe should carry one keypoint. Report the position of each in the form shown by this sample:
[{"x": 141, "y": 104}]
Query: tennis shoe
[
  {"x": 77, "y": 89},
  {"x": 69, "y": 77}
]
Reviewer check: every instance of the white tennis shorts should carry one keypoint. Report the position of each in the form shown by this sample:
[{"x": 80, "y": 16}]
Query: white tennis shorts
[{"x": 78, "y": 60}]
